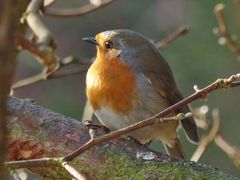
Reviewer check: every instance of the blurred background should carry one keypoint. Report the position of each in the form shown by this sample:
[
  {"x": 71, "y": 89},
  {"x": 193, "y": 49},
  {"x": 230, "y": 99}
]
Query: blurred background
[{"x": 196, "y": 58}]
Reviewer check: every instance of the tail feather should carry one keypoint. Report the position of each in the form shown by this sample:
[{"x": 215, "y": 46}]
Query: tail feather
[
  {"x": 189, "y": 125},
  {"x": 176, "y": 150}
]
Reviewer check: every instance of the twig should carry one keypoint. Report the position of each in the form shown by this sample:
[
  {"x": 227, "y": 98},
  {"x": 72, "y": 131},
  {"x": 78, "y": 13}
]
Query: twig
[
  {"x": 33, "y": 163},
  {"x": 31, "y": 80},
  {"x": 46, "y": 55},
  {"x": 75, "y": 67},
  {"x": 49, "y": 60},
  {"x": 34, "y": 21},
  {"x": 64, "y": 69},
  {"x": 44, "y": 37},
  {"x": 182, "y": 30},
  {"x": 83, "y": 10},
  {"x": 31, "y": 47},
  {"x": 232, "y": 151},
  {"x": 214, "y": 135},
  {"x": 200, "y": 116},
  {"x": 235, "y": 84},
  {"x": 74, "y": 172},
  {"x": 222, "y": 29},
  {"x": 209, "y": 138}
]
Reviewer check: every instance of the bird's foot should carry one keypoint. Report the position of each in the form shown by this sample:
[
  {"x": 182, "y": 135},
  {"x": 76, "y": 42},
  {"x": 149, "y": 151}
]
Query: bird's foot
[{"x": 92, "y": 125}]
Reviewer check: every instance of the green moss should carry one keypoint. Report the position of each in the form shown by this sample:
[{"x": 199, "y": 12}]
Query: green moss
[
  {"x": 16, "y": 132},
  {"x": 122, "y": 167},
  {"x": 59, "y": 173}
]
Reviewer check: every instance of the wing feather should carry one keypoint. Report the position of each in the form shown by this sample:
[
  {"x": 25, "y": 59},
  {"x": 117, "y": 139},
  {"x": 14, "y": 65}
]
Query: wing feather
[{"x": 159, "y": 75}]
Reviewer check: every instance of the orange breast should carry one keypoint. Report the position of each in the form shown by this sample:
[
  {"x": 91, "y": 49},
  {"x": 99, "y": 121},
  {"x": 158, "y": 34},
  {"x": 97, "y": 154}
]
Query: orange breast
[{"x": 111, "y": 83}]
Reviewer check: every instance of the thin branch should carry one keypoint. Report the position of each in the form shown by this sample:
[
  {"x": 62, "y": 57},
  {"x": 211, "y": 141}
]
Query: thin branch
[
  {"x": 46, "y": 57},
  {"x": 209, "y": 138},
  {"x": 214, "y": 135},
  {"x": 235, "y": 84},
  {"x": 75, "y": 67},
  {"x": 33, "y": 163},
  {"x": 83, "y": 10},
  {"x": 200, "y": 116},
  {"x": 74, "y": 172},
  {"x": 222, "y": 30},
  {"x": 28, "y": 45},
  {"x": 31, "y": 80},
  {"x": 182, "y": 30},
  {"x": 232, "y": 151},
  {"x": 67, "y": 66},
  {"x": 34, "y": 21},
  {"x": 44, "y": 37}
]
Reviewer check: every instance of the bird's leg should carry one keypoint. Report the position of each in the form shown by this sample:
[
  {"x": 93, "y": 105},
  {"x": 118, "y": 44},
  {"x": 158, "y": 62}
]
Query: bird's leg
[
  {"x": 138, "y": 142},
  {"x": 92, "y": 125}
]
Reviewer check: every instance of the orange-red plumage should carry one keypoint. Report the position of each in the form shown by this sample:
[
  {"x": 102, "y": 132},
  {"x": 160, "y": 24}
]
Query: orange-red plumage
[{"x": 110, "y": 83}]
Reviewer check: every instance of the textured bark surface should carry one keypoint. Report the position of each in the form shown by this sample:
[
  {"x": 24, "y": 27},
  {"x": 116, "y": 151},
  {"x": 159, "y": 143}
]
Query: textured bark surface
[
  {"x": 36, "y": 132},
  {"x": 8, "y": 24}
]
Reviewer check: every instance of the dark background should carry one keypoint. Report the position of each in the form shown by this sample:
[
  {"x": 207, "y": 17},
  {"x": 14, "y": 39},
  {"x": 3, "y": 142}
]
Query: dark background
[{"x": 196, "y": 58}]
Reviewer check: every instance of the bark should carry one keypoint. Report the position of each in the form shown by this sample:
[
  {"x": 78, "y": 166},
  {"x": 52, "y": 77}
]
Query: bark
[
  {"x": 36, "y": 132},
  {"x": 7, "y": 65}
]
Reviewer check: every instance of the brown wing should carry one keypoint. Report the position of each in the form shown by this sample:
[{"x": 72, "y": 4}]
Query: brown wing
[
  {"x": 159, "y": 74},
  {"x": 170, "y": 92}
]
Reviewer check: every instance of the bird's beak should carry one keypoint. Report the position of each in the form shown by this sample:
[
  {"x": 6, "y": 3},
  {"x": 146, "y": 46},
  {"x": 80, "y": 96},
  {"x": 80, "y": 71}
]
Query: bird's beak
[{"x": 91, "y": 40}]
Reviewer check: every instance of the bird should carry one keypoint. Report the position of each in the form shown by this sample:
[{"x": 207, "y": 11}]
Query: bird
[{"x": 129, "y": 81}]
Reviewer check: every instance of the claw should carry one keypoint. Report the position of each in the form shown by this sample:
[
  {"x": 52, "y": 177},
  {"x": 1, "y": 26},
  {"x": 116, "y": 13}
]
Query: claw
[{"x": 91, "y": 125}]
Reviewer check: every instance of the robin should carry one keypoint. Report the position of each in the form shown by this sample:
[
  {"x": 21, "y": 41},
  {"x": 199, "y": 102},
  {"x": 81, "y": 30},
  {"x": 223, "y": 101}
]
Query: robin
[{"x": 130, "y": 81}]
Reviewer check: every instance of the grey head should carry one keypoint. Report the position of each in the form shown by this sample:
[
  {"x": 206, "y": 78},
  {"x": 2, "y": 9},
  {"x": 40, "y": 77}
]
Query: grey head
[{"x": 130, "y": 46}]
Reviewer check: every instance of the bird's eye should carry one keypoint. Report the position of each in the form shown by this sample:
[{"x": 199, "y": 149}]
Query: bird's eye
[{"x": 108, "y": 44}]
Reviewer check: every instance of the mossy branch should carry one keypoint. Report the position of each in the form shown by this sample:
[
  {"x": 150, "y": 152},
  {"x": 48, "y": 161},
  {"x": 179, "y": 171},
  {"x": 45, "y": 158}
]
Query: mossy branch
[{"x": 36, "y": 132}]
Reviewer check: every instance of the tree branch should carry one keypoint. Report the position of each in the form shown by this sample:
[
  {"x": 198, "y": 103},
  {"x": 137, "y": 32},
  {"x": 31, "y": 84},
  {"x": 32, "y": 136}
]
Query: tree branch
[
  {"x": 36, "y": 132},
  {"x": 7, "y": 65},
  {"x": 182, "y": 30},
  {"x": 222, "y": 30},
  {"x": 232, "y": 151},
  {"x": 74, "y": 172},
  {"x": 83, "y": 10},
  {"x": 209, "y": 138}
]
